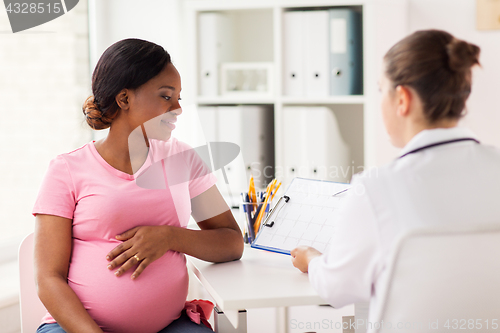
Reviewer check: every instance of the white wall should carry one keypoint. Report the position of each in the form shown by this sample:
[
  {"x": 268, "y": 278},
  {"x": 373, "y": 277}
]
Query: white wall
[
  {"x": 157, "y": 21},
  {"x": 153, "y": 20},
  {"x": 43, "y": 83},
  {"x": 458, "y": 17}
]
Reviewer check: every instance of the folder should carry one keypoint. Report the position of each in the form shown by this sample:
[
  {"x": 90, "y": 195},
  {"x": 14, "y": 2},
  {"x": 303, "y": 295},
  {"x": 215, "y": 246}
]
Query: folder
[
  {"x": 214, "y": 47},
  {"x": 293, "y": 53},
  {"x": 208, "y": 121},
  {"x": 230, "y": 129},
  {"x": 316, "y": 53},
  {"x": 327, "y": 154},
  {"x": 305, "y": 215},
  {"x": 313, "y": 146},
  {"x": 346, "y": 58},
  {"x": 251, "y": 128},
  {"x": 294, "y": 143}
]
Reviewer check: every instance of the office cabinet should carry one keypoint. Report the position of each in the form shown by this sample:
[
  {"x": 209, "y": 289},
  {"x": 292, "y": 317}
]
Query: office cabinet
[{"x": 269, "y": 31}]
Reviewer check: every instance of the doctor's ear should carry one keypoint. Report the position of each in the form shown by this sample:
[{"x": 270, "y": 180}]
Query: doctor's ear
[
  {"x": 122, "y": 99},
  {"x": 404, "y": 96}
]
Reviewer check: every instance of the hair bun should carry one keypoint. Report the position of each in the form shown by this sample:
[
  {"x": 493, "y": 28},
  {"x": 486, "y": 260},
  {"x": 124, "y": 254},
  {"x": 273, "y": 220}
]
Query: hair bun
[
  {"x": 462, "y": 55},
  {"x": 93, "y": 114}
]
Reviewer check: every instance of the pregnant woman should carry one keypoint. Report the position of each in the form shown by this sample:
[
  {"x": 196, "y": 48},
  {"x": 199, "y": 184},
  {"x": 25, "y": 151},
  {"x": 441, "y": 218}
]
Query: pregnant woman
[{"x": 109, "y": 250}]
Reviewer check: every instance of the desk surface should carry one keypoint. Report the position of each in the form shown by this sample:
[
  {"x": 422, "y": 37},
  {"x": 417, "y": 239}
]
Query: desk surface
[{"x": 259, "y": 279}]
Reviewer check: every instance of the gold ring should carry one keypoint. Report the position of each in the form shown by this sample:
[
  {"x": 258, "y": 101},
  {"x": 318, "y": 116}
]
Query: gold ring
[{"x": 136, "y": 257}]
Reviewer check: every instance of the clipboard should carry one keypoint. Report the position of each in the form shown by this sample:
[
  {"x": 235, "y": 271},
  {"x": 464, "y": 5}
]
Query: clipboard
[{"x": 305, "y": 215}]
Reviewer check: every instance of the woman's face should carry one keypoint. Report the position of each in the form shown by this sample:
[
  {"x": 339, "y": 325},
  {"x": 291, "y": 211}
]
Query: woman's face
[
  {"x": 155, "y": 104},
  {"x": 389, "y": 106}
]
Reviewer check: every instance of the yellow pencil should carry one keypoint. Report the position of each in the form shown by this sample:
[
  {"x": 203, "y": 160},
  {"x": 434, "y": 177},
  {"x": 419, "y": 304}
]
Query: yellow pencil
[
  {"x": 275, "y": 191},
  {"x": 264, "y": 205},
  {"x": 251, "y": 191}
]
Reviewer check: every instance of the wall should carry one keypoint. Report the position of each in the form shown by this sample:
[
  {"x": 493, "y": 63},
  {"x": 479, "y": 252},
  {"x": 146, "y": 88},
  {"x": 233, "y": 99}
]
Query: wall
[{"x": 43, "y": 83}]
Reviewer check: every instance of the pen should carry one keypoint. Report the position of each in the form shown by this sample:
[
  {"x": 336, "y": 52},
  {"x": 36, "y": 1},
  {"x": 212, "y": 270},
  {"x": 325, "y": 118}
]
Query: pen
[{"x": 340, "y": 192}]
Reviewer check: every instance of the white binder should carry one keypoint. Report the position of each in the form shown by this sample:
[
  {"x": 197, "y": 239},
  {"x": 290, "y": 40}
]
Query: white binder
[
  {"x": 313, "y": 145},
  {"x": 251, "y": 128},
  {"x": 346, "y": 63},
  {"x": 208, "y": 121},
  {"x": 294, "y": 145},
  {"x": 214, "y": 47},
  {"x": 316, "y": 53},
  {"x": 293, "y": 53},
  {"x": 328, "y": 155},
  {"x": 230, "y": 125}
]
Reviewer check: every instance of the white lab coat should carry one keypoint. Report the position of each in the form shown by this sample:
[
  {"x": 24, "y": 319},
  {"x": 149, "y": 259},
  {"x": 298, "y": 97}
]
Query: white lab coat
[{"x": 455, "y": 184}]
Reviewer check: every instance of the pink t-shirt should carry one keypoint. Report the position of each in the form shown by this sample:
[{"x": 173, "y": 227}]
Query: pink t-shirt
[{"x": 103, "y": 202}]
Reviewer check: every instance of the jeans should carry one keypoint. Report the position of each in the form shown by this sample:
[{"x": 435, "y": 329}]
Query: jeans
[{"x": 181, "y": 325}]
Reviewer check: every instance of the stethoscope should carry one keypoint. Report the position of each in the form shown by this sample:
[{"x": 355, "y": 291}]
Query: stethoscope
[{"x": 438, "y": 144}]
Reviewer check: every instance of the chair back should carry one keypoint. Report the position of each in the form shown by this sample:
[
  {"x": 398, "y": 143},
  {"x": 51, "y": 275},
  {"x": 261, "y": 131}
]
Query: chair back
[
  {"x": 443, "y": 280},
  {"x": 32, "y": 309}
]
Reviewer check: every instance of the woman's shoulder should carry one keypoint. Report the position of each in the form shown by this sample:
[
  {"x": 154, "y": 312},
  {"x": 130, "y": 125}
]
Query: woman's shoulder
[{"x": 76, "y": 156}]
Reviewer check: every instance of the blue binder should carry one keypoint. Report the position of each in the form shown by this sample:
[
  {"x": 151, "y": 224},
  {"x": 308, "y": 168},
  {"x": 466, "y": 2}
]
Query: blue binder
[{"x": 346, "y": 52}]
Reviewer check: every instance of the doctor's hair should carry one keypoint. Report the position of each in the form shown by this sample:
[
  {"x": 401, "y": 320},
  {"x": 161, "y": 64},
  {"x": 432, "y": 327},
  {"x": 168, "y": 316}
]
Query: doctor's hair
[
  {"x": 126, "y": 64},
  {"x": 438, "y": 66}
]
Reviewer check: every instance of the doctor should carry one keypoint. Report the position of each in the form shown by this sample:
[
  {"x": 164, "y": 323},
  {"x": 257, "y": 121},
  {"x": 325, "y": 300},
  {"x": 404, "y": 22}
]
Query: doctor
[{"x": 443, "y": 177}]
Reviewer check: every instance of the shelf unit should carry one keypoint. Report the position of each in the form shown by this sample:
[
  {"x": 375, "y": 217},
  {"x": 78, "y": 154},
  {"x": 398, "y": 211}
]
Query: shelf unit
[{"x": 384, "y": 23}]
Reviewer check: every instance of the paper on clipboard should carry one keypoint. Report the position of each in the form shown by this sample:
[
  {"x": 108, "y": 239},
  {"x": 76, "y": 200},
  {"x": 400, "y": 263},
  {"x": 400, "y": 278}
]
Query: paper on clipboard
[{"x": 307, "y": 218}]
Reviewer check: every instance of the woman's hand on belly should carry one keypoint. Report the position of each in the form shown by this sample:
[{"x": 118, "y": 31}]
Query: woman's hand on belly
[{"x": 141, "y": 245}]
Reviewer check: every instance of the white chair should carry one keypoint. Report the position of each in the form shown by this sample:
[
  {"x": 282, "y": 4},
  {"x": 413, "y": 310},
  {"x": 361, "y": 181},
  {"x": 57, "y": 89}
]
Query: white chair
[
  {"x": 443, "y": 280},
  {"x": 32, "y": 309}
]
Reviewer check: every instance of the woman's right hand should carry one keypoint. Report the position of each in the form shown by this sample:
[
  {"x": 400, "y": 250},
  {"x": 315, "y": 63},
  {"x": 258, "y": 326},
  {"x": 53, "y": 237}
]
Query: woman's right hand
[{"x": 52, "y": 255}]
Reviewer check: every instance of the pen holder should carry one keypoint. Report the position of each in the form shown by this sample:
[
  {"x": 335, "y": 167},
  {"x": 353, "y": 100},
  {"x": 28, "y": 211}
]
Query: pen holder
[{"x": 251, "y": 211}]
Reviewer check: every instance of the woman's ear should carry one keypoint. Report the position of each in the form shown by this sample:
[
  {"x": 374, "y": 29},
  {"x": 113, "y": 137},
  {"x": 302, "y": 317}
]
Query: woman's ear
[
  {"x": 404, "y": 97},
  {"x": 122, "y": 99}
]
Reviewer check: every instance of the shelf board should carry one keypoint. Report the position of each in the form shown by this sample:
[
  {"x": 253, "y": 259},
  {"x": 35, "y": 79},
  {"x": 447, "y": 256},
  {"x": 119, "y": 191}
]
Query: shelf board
[
  {"x": 348, "y": 99},
  {"x": 206, "y": 5},
  {"x": 234, "y": 100},
  {"x": 288, "y": 100}
]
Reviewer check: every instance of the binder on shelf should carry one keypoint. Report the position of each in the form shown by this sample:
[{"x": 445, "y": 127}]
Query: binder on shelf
[
  {"x": 346, "y": 63},
  {"x": 313, "y": 146},
  {"x": 213, "y": 48},
  {"x": 305, "y": 215},
  {"x": 316, "y": 53},
  {"x": 293, "y": 53},
  {"x": 252, "y": 129}
]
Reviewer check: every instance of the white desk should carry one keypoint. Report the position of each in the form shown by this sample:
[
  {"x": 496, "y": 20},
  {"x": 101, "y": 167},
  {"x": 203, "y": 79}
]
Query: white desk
[{"x": 260, "y": 279}]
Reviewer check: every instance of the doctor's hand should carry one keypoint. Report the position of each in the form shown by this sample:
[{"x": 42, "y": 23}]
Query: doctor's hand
[
  {"x": 302, "y": 256},
  {"x": 141, "y": 246}
]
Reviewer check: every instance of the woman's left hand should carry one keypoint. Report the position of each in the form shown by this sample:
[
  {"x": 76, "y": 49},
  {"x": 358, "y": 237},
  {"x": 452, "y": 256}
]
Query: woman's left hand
[
  {"x": 302, "y": 256},
  {"x": 141, "y": 245}
]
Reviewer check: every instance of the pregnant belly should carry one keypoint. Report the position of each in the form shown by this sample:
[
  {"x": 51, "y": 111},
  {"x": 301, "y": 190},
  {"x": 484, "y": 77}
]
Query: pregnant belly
[{"x": 119, "y": 304}]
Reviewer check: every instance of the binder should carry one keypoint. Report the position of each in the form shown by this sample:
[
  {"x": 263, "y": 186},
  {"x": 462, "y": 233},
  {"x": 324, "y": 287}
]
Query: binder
[
  {"x": 346, "y": 58},
  {"x": 293, "y": 53},
  {"x": 316, "y": 53},
  {"x": 251, "y": 128},
  {"x": 230, "y": 124},
  {"x": 294, "y": 144},
  {"x": 305, "y": 215},
  {"x": 214, "y": 47},
  {"x": 208, "y": 122},
  {"x": 327, "y": 153},
  {"x": 313, "y": 146}
]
